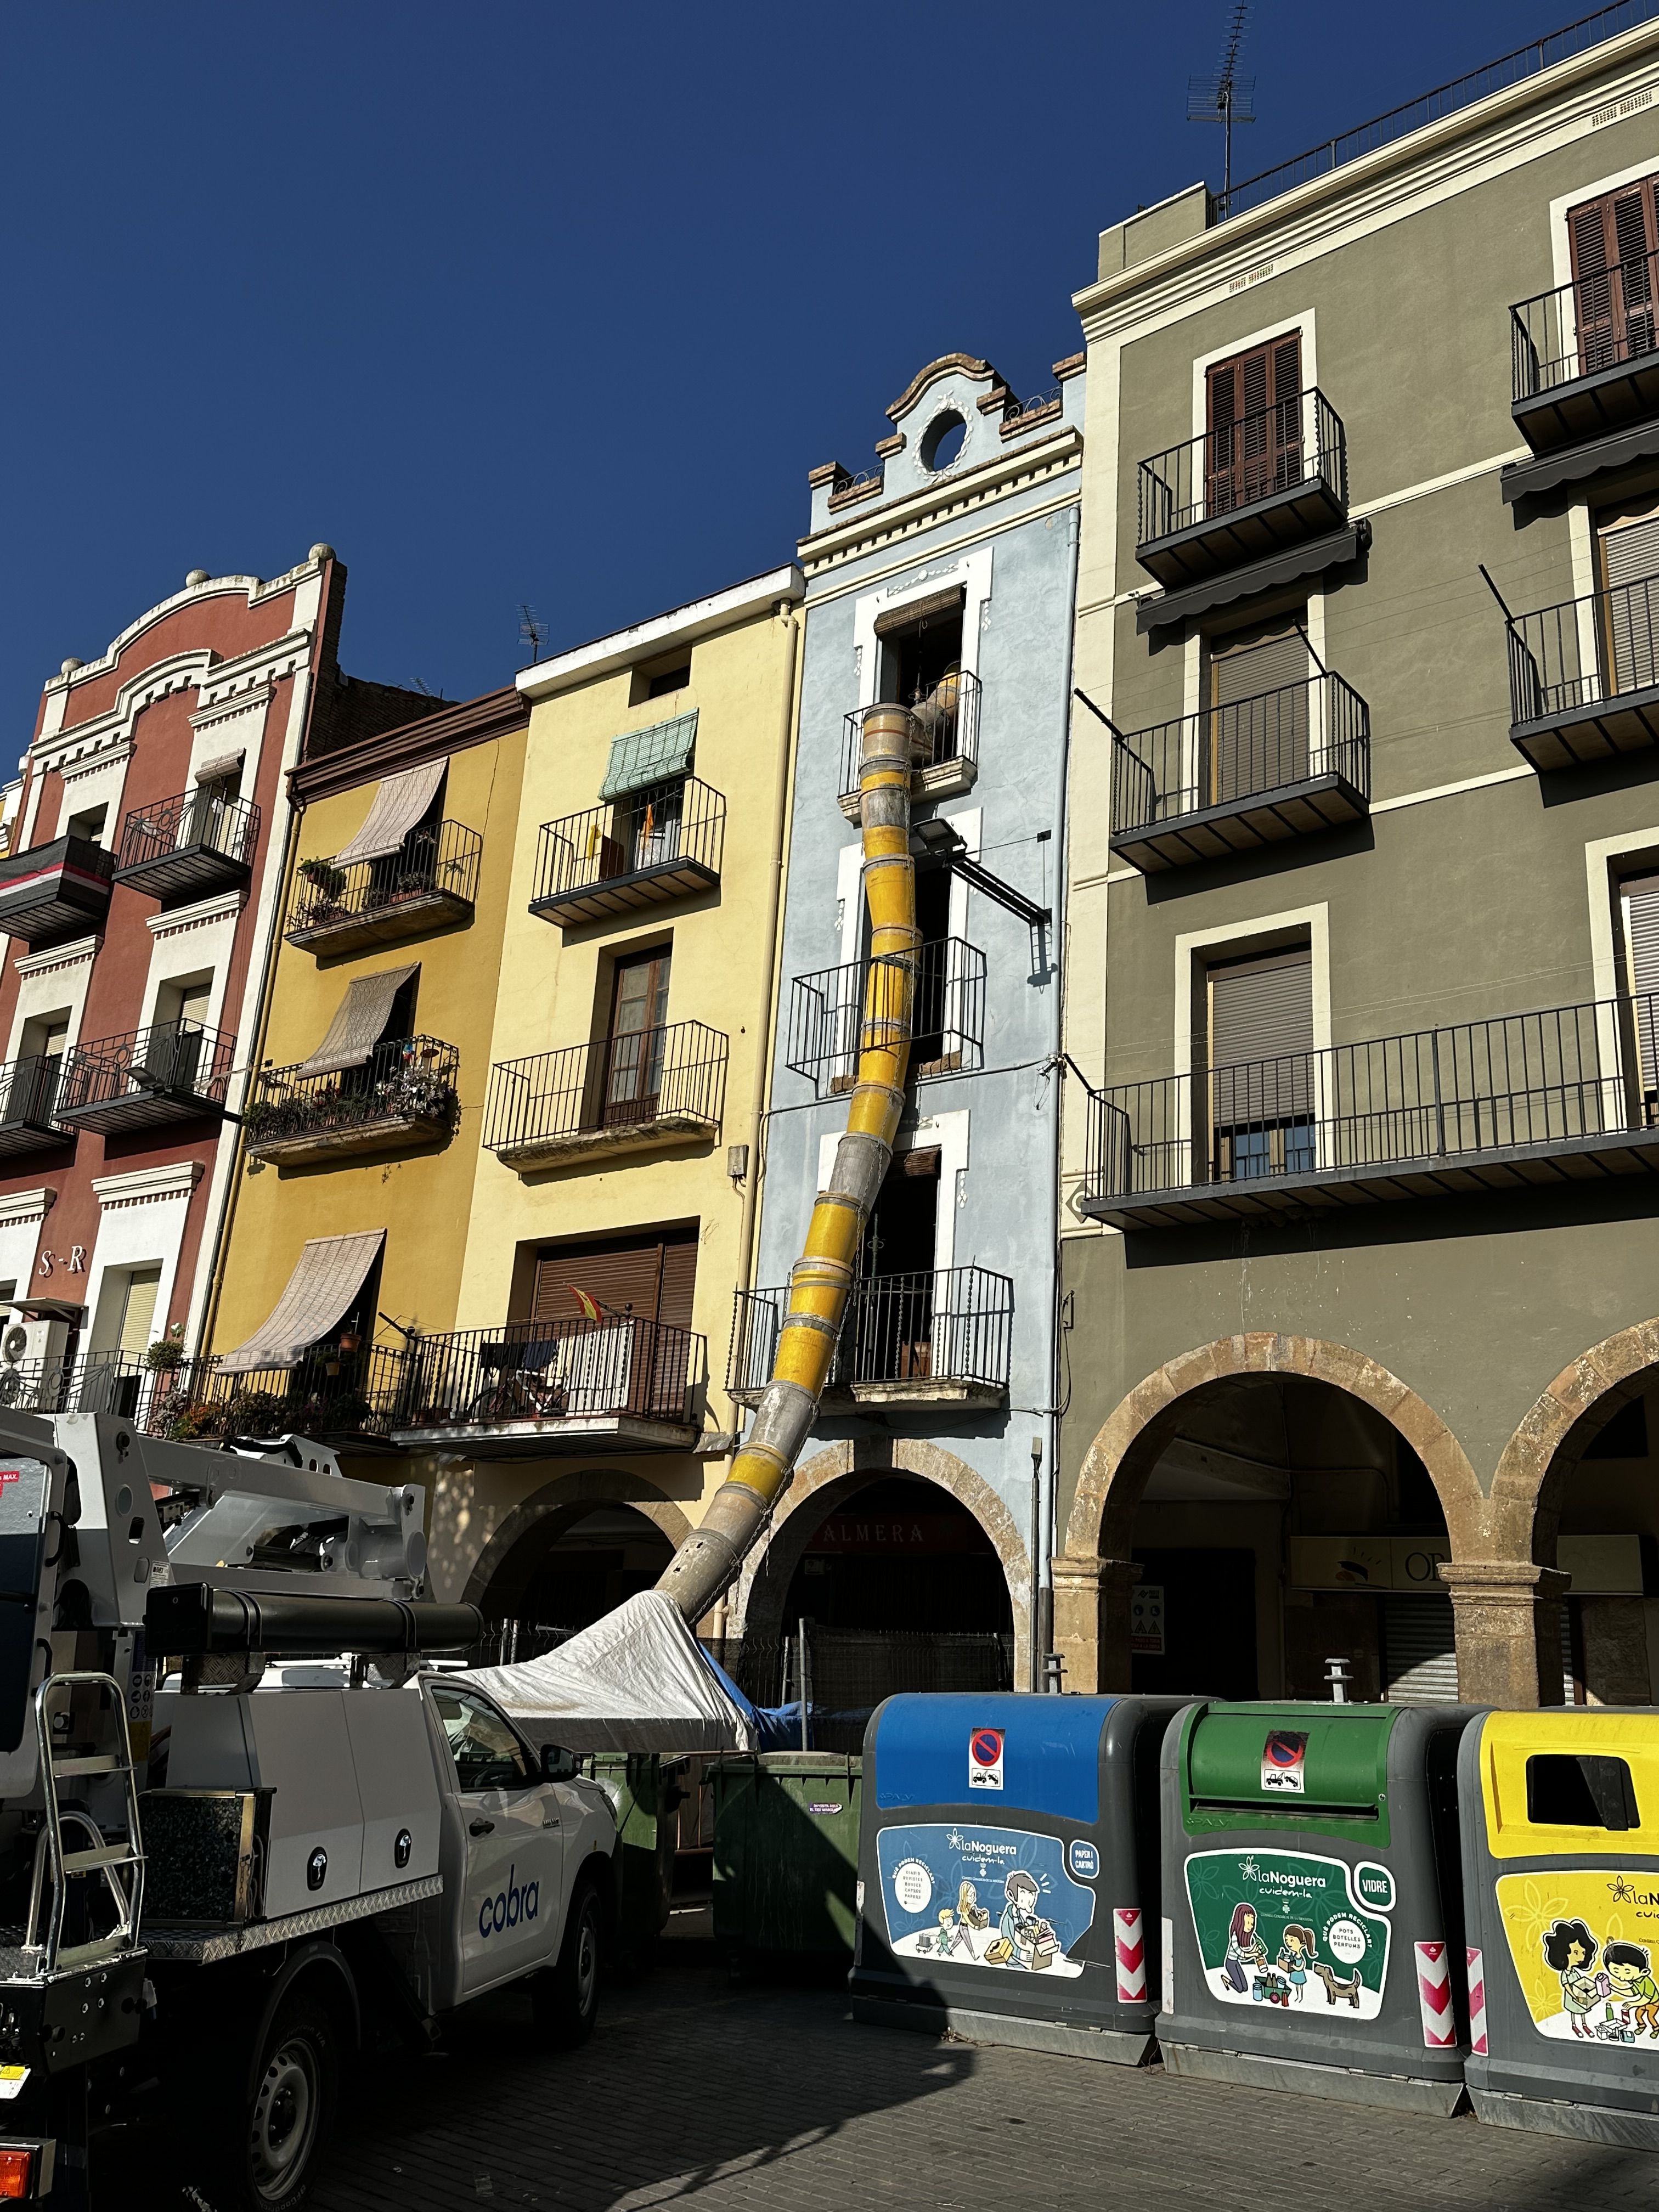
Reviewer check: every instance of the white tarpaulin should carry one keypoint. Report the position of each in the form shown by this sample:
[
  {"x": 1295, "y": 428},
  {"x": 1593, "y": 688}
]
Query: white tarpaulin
[{"x": 637, "y": 1681}]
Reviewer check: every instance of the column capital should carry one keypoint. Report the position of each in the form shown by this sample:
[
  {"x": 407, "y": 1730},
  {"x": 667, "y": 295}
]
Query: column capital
[{"x": 1518, "y": 1580}]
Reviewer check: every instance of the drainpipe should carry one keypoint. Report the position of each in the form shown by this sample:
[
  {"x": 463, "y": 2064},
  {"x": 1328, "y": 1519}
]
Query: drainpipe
[{"x": 708, "y": 1562}]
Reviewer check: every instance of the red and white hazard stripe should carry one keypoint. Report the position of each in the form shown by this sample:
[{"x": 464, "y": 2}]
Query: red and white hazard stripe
[
  {"x": 1477, "y": 2003},
  {"x": 1131, "y": 1957},
  {"x": 1434, "y": 1996}
]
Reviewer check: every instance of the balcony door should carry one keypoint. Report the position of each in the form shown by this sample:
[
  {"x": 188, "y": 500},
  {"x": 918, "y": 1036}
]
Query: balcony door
[
  {"x": 890, "y": 1331},
  {"x": 1254, "y": 445},
  {"x": 614, "y": 1364},
  {"x": 1614, "y": 240},
  {"x": 1259, "y": 1079},
  {"x": 34, "y": 1092},
  {"x": 636, "y": 1042},
  {"x": 1628, "y": 542},
  {"x": 1256, "y": 733}
]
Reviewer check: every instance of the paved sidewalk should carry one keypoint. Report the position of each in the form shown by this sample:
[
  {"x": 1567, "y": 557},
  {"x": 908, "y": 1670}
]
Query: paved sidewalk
[{"x": 765, "y": 2098}]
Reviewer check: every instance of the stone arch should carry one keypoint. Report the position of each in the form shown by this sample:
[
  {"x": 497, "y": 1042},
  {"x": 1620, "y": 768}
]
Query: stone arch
[
  {"x": 550, "y": 1510},
  {"x": 1553, "y": 1436},
  {"x": 819, "y": 1484}
]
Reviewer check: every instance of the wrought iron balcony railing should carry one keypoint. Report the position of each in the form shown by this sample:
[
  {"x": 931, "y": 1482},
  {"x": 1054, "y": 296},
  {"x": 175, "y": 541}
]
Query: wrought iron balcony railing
[
  {"x": 939, "y": 1327},
  {"x": 1271, "y": 479},
  {"x": 1584, "y": 676},
  {"x": 542, "y": 1376},
  {"x": 945, "y": 745},
  {"x": 943, "y": 989},
  {"x": 656, "y": 1085},
  {"x": 1570, "y": 1092},
  {"x": 1234, "y": 778},
  {"x": 404, "y": 1093},
  {"x": 430, "y": 882},
  {"x": 325, "y": 1394},
  {"x": 1585, "y": 357},
  {"x": 190, "y": 846},
  {"x": 662, "y": 843},
  {"x": 170, "y": 1071},
  {"x": 29, "y": 1100}
]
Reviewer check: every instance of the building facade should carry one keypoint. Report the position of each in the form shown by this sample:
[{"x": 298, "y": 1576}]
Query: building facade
[
  {"x": 1358, "y": 1261},
  {"x": 942, "y": 579}
]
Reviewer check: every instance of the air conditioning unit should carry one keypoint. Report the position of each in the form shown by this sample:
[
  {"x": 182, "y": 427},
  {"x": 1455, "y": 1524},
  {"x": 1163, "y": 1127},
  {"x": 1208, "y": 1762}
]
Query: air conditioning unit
[{"x": 33, "y": 1364}]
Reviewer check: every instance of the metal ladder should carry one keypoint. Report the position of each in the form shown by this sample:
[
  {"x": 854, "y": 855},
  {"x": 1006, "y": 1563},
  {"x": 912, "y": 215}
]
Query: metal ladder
[{"x": 120, "y": 1865}]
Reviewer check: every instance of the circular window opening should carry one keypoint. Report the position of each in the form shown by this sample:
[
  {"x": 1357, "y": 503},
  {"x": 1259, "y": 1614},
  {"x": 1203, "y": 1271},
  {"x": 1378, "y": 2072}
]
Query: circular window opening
[{"x": 942, "y": 440}]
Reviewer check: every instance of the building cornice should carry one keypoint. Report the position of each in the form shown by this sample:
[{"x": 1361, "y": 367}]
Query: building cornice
[
  {"x": 450, "y": 729},
  {"x": 225, "y": 907},
  {"x": 142, "y": 1186},
  {"x": 254, "y": 589},
  {"x": 1031, "y": 462},
  {"x": 222, "y": 686},
  {"x": 19, "y": 1206},
  {"x": 602, "y": 656},
  {"x": 60, "y": 955}
]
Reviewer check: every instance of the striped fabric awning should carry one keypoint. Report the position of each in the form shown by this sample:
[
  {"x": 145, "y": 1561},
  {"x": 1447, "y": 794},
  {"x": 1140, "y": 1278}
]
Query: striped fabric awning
[
  {"x": 358, "y": 1022},
  {"x": 398, "y": 803},
  {"x": 328, "y": 1274}
]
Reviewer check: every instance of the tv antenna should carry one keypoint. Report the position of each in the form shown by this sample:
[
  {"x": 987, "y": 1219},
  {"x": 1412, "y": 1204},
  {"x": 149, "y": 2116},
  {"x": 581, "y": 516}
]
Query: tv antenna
[
  {"x": 1226, "y": 98},
  {"x": 532, "y": 631}
]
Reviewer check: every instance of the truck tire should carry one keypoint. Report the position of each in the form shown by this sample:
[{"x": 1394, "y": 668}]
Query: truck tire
[
  {"x": 287, "y": 2109},
  {"x": 565, "y": 1999}
]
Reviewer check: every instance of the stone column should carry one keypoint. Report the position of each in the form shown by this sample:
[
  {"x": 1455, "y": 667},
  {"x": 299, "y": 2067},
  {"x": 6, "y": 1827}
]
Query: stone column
[
  {"x": 1507, "y": 1614},
  {"x": 1091, "y": 1621}
]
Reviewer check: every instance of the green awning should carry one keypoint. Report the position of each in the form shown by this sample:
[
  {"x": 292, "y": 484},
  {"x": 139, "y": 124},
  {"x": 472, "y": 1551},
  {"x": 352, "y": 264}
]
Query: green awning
[{"x": 653, "y": 755}]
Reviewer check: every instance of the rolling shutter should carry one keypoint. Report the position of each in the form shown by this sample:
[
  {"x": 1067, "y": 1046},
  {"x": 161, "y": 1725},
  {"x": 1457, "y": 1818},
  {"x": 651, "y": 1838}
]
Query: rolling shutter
[
  {"x": 1638, "y": 901},
  {"x": 1630, "y": 571},
  {"x": 1257, "y": 660},
  {"x": 1256, "y": 736},
  {"x": 1612, "y": 240},
  {"x": 906, "y": 617},
  {"x": 1262, "y": 1011},
  {"x": 1419, "y": 1651},
  {"x": 652, "y": 1277},
  {"x": 398, "y": 803}
]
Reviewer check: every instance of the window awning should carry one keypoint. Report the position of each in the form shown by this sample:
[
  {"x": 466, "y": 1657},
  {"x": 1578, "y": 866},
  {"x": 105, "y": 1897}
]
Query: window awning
[
  {"x": 358, "y": 1021},
  {"x": 328, "y": 1274},
  {"x": 647, "y": 757},
  {"x": 397, "y": 805}
]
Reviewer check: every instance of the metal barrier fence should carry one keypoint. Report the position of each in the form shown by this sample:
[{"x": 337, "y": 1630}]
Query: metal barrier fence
[
  {"x": 439, "y": 861},
  {"x": 1245, "y": 750},
  {"x": 1521, "y": 1079},
  {"x": 1584, "y": 651},
  {"x": 850, "y": 1671},
  {"x": 828, "y": 1013},
  {"x": 403, "y": 1079},
  {"x": 1602, "y": 321},
  {"x": 666, "y": 826},
  {"x": 203, "y": 817},
  {"x": 538, "y": 1371},
  {"x": 946, "y": 724},
  {"x": 641, "y": 1075},
  {"x": 1298, "y": 441},
  {"x": 944, "y": 1324},
  {"x": 120, "y": 1077}
]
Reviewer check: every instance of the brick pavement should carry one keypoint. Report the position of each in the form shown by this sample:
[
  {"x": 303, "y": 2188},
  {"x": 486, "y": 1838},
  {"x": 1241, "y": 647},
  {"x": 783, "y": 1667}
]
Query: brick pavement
[{"x": 766, "y": 2098}]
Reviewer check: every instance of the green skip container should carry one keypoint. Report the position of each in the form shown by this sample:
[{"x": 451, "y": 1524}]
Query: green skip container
[{"x": 786, "y": 1855}]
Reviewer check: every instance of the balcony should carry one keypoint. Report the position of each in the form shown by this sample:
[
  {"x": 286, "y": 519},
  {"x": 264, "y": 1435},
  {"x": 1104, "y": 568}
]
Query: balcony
[
  {"x": 1287, "y": 763},
  {"x": 1566, "y": 1096},
  {"x": 944, "y": 743},
  {"x": 190, "y": 847},
  {"x": 1585, "y": 677},
  {"x": 325, "y": 1395},
  {"x": 647, "y": 1091},
  {"x": 543, "y": 1388},
  {"x": 1275, "y": 483},
  {"x": 402, "y": 1097},
  {"x": 828, "y": 1012},
  {"x": 171, "y": 1072},
  {"x": 56, "y": 891},
  {"x": 665, "y": 842},
  {"x": 429, "y": 884},
  {"x": 933, "y": 1341},
  {"x": 1585, "y": 374},
  {"x": 28, "y": 1097}
]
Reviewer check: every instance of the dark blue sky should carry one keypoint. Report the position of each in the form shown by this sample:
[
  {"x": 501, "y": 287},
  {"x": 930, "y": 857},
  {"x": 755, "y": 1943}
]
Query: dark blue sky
[{"x": 532, "y": 302}]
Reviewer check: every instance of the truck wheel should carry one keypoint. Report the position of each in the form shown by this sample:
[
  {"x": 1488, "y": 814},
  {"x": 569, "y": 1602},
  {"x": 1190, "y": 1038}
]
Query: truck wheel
[
  {"x": 290, "y": 2108},
  {"x": 566, "y": 1998}
]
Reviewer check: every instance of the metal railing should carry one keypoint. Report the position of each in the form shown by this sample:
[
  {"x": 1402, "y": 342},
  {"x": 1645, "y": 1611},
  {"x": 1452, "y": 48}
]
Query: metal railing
[
  {"x": 29, "y": 1092},
  {"x": 944, "y": 1324},
  {"x": 945, "y": 722},
  {"x": 1428, "y": 107},
  {"x": 1584, "y": 652},
  {"x": 1245, "y": 750},
  {"x": 616, "y": 1083},
  {"x": 175, "y": 1060},
  {"x": 1552, "y": 1078},
  {"x": 946, "y": 1001},
  {"x": 323, "y": 1393},
  {"x": 1296, "y": 441},
  {"x": 403, "y": 1079},
  {"x": 204, "y": 816},
  {"x": 439, "y": 861},
  {"x": 667, "y": 825},
  {"x": 540, "y": 1370},
  {"x": 1601, "y": 322}
]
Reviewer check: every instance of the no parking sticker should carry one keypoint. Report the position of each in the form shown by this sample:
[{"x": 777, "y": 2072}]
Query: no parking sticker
[{"x": 985, "y": 1759}]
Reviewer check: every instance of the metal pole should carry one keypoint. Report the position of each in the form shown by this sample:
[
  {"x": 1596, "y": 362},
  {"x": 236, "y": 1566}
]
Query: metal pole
[
  {"x": 1038, "y": 1646},
  {"x": 804, "y": 1686}
]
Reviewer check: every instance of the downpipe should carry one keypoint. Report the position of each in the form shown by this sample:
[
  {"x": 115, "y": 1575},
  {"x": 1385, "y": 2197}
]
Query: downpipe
[{"x": 709, "y": 1560}]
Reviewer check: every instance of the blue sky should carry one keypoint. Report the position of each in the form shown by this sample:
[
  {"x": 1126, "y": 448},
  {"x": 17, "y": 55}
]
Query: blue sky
[{"x": 537, "y": 303}]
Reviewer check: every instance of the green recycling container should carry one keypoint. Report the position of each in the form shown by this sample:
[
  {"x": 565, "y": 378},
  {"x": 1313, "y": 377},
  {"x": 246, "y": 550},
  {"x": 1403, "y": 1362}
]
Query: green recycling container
[
  {"x": 785, "y": 1855},
  {"x": 643, "y": 1793}
]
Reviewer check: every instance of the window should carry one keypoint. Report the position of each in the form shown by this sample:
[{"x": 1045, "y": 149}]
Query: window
[
  {"x": 1256, "y": 735},
  {"x": 1253, "y": 446},
  {"x": 1612, "y": 240},
  {"x": 650, "y": 1274},
  {"x": 174, "y": 1049},
  {"x": 33, "y": 1092},
  {"x": 210, "y": 819},
  {"x": 890, "y": 1331},
  {"x": 1627, "y": 545},
  {"x": 636, "y": 1042},
  {"x": 1567, "y": 1790},
  {"x": 488, "y": 1755},
  {"x": 1260, "y": 1060},
  {"x": 658, "y": 678},
  {"x": 1639, "y": 914},
  {"x": 921, "y": 650},
  {"x": 89, "y": 825}
]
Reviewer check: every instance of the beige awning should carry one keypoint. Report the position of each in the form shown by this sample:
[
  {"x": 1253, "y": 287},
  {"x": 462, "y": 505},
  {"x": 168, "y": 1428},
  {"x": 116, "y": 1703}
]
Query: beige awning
[
  {"x": 329, "y": 1275},
  {"x": 360, "y": 1016},
  {"x": 397, "y": 805}
]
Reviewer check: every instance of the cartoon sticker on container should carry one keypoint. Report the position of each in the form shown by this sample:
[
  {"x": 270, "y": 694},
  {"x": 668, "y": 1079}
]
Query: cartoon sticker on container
[
  {"x": 1285, "y": 1929},
  {"x": 997, "y": 1897},
  {"x": 1585, "y": 1945}
]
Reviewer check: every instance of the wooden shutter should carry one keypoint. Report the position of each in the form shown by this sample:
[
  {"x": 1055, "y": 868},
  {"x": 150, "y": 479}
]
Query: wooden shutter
[
  {"x": 1254, "y": 444},
  {"x": 1612, "y": 239},
  {"x": 650, "y": 1277}
]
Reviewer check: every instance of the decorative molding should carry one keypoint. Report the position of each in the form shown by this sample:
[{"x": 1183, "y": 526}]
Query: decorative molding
[
  {"x": 225, "y": 907},
  {"x": 143, "y": 1186},
  {"x": 20, "y": 1206},
  {"x": 1049, "y": 454},
  {"x": 225, "y": 685},
  {"x": 60, "y": 956},
  {"x": 259, "y": 693},
  {"x": 255, "y": 588},
  {"x": 94, "y": 763}
]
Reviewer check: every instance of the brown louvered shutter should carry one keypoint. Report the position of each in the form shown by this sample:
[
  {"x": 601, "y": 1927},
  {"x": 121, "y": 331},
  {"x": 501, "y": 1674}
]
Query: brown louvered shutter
[
  {"x": 1612, "y": 240},
  {"x": 1255, "y": 441},
  {"x": 1261, "y": 1037}
]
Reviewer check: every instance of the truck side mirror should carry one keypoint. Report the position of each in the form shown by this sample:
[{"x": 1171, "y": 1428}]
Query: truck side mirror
[{"x": 559, "y": 1765}]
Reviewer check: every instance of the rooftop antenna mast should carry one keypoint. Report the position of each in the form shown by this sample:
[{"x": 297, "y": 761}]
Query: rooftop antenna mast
[
  {"x": 533, "y": 632},
  {"x": 1226, "y": 98}
]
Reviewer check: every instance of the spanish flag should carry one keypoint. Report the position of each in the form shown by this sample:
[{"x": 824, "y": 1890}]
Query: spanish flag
[{"x": 589, "y": 1305}]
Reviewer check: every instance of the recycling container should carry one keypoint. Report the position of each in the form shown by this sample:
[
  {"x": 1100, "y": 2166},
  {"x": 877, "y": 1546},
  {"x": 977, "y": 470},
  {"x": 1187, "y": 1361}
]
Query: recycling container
[
  {"x": 1008, "y": 1869},
  {"x": 644, "y": 1794},
  {"x": 786, "y": 1853},
  {"x": 1312, "y": 1900},
  {"x": 1561, "y": 1884}
]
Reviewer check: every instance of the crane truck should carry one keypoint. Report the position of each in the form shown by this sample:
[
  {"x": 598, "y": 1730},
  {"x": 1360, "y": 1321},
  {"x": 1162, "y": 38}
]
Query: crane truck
[{"x": 248, "y": 1820}]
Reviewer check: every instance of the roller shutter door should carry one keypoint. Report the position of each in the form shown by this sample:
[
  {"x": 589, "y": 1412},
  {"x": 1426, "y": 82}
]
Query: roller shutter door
[
  {"x": 1419, "y": 1651},
  {"x": 652, "y": 1277}
]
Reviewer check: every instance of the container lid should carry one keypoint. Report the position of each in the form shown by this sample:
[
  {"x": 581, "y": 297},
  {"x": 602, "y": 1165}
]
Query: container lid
[
  {"x": 1570, "y": 1779},
  {"x": 1007, "y": 1749},
  {"x": 1298, "y": 1760}
]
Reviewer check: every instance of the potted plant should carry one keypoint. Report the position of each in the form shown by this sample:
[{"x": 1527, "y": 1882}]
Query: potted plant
[
  {"x": 165, "y": 1355},
  {"x": 324, "y": 876}
]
